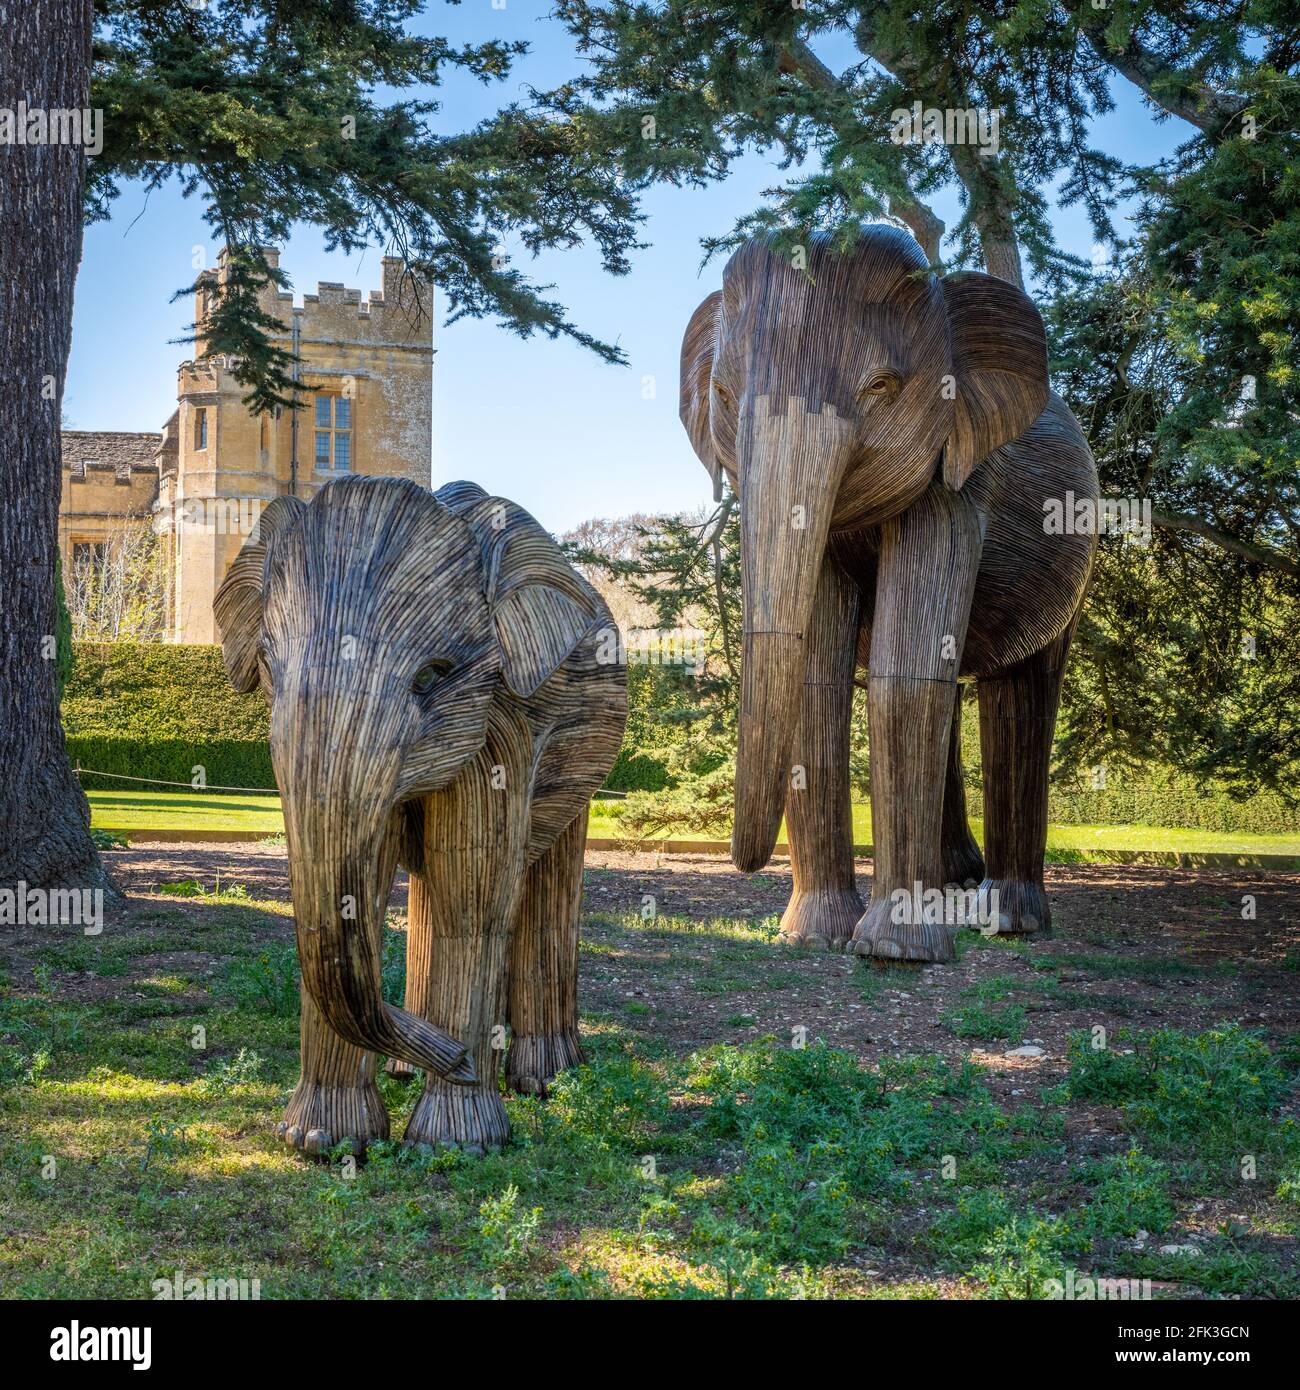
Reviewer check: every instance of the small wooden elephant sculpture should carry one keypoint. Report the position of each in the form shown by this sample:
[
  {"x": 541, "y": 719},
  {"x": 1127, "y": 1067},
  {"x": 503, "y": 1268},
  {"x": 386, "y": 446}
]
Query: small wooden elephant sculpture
[
  {"x": 441, "y": 698},
  {"x": 896, "y": 449}
]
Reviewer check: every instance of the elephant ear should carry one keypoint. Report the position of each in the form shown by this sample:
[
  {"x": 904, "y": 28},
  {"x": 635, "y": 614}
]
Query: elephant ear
[
  {"x": 538, "y": 628},
  {"x": 541, "y": 606},
  {"x": 697, "y": 385},
  {"x": 999, "y": 360},
  {"x": 238, "y": 604}
]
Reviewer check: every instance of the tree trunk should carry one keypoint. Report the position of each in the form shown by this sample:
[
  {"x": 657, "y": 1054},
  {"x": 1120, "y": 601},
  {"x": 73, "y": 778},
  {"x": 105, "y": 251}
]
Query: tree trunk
[
  {"x": 983, "y": 179},
  {"x": 44, "y": 818}
]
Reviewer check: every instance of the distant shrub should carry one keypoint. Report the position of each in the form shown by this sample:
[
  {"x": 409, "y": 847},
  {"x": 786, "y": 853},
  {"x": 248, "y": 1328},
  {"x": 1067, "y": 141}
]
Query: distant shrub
[
  {"x": 393, "y": 966},
  {"x": 700, "y": 805}
]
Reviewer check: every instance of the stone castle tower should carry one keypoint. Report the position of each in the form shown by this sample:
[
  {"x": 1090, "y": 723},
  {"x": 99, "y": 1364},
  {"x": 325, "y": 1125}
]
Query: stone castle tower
[{"x": 364, "y": 378}]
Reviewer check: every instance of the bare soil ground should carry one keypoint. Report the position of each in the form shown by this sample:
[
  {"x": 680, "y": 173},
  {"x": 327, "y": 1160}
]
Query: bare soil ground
[{"x": 1133, "y": 947}]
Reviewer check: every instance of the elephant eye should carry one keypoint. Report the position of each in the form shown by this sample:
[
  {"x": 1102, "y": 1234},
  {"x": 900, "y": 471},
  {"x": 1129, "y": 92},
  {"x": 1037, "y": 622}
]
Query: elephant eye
[
  {"x": 879, "y": 384},
  {"x": 428, "y": 676},
  {"x": 723, "y": 395}
]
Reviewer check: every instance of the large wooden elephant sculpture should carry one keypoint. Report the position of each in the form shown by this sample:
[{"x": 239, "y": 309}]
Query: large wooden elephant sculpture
[
  {"x": 893, "y": 440},
  {"x": 441, "y": 697}
]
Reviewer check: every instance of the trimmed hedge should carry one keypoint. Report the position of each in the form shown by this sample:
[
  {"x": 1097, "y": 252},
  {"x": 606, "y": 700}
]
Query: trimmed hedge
[
  {"x": 246, "y": 763},
  {"x": 1175, "y": 803},
  {"x": 145, "y": 709},
  {"x": 151, "y": 710},
  {"x": 243, "y": 763},
  {"x": 149, "y": 690}
]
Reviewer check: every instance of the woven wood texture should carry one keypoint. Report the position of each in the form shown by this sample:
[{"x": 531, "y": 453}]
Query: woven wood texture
[
  {"x": 439, "y": 698},
  {"x": 892, "y": 439}
]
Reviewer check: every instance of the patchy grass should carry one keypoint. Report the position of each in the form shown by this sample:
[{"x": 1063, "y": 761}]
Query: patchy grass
[{"x": 702, "y": 1153}]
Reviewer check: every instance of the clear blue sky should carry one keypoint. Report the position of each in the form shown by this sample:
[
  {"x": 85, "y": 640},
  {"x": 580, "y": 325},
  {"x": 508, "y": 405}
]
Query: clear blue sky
[{"x": 544, "y": 423}]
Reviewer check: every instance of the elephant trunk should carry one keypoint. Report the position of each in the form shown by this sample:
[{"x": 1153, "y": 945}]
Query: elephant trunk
[
  {"x": 791, "y": 465},
  {"x": 343, "y": 843}
]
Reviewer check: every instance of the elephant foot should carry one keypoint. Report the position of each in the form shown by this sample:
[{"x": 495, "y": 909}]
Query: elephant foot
[
  {"x": 821, "y": 919},
  {"x": 318, "y": 1117},
  {"x": 536, "y": 1059},
  {"x": 1013, "y": 907},
  {"x": 458, "y": 1117},
  {"x": 963, "y": 864},
  {"x": 888, "y": 931},
  {"x": 403, "y": 1071}
]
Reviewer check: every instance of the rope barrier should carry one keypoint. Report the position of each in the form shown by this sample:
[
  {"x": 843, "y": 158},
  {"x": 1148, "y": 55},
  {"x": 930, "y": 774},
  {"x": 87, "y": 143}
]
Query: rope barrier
[
  {"x": 213, "y": 787},
  {"x": 160, "y": 782}
]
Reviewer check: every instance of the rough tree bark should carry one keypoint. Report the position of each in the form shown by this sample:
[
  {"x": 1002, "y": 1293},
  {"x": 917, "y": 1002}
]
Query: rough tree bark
[
  {"x": 44, "y": 819},
  {"x": 991, "y": 211}
]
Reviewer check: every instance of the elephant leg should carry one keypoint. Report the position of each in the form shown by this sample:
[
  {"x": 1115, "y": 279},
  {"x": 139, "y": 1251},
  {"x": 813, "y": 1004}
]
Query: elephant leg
[
  {"x": 336, "y": 1100},
  {"x": 1017, "y": 722},
  {"x": 963, "y": 864},
  {"x": 475, "y": 838},
  {"x": 543, "y": 970},
  {"x": 929, "y": 557},
  {"x": 825, "y": 905}
]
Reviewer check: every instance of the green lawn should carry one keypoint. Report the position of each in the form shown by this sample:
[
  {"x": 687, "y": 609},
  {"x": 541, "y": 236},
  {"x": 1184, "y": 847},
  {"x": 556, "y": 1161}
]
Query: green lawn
[
  {"x": 1094, "y": 838},
  {"x": 185, "y": 811},
  {"x": 261, "y": 815},
  {"x": 699, "y": 1155}
]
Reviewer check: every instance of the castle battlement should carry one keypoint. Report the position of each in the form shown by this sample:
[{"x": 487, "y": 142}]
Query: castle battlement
[
  {"x": 121, "y": 475},
  {"x": 399, "y": 314},
  {"x": 104, "y": 456},
  {"x": 107, "y": 474}
]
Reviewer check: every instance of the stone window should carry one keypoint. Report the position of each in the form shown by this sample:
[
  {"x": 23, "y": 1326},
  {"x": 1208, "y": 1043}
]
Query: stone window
[
  {"x": 87, "y": 554},
  {"x": 87, "y": 560},
  {"x": 201, "y": 428},
  {"x": 334, "y": 433}
]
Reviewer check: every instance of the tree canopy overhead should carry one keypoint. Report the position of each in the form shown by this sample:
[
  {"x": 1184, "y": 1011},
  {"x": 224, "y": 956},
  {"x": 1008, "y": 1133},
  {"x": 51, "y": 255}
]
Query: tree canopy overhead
[
  {"x": 721, "y": 77},
  {"x": 276, "y": 112},
  {"x": 1177, "y": 350}
]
